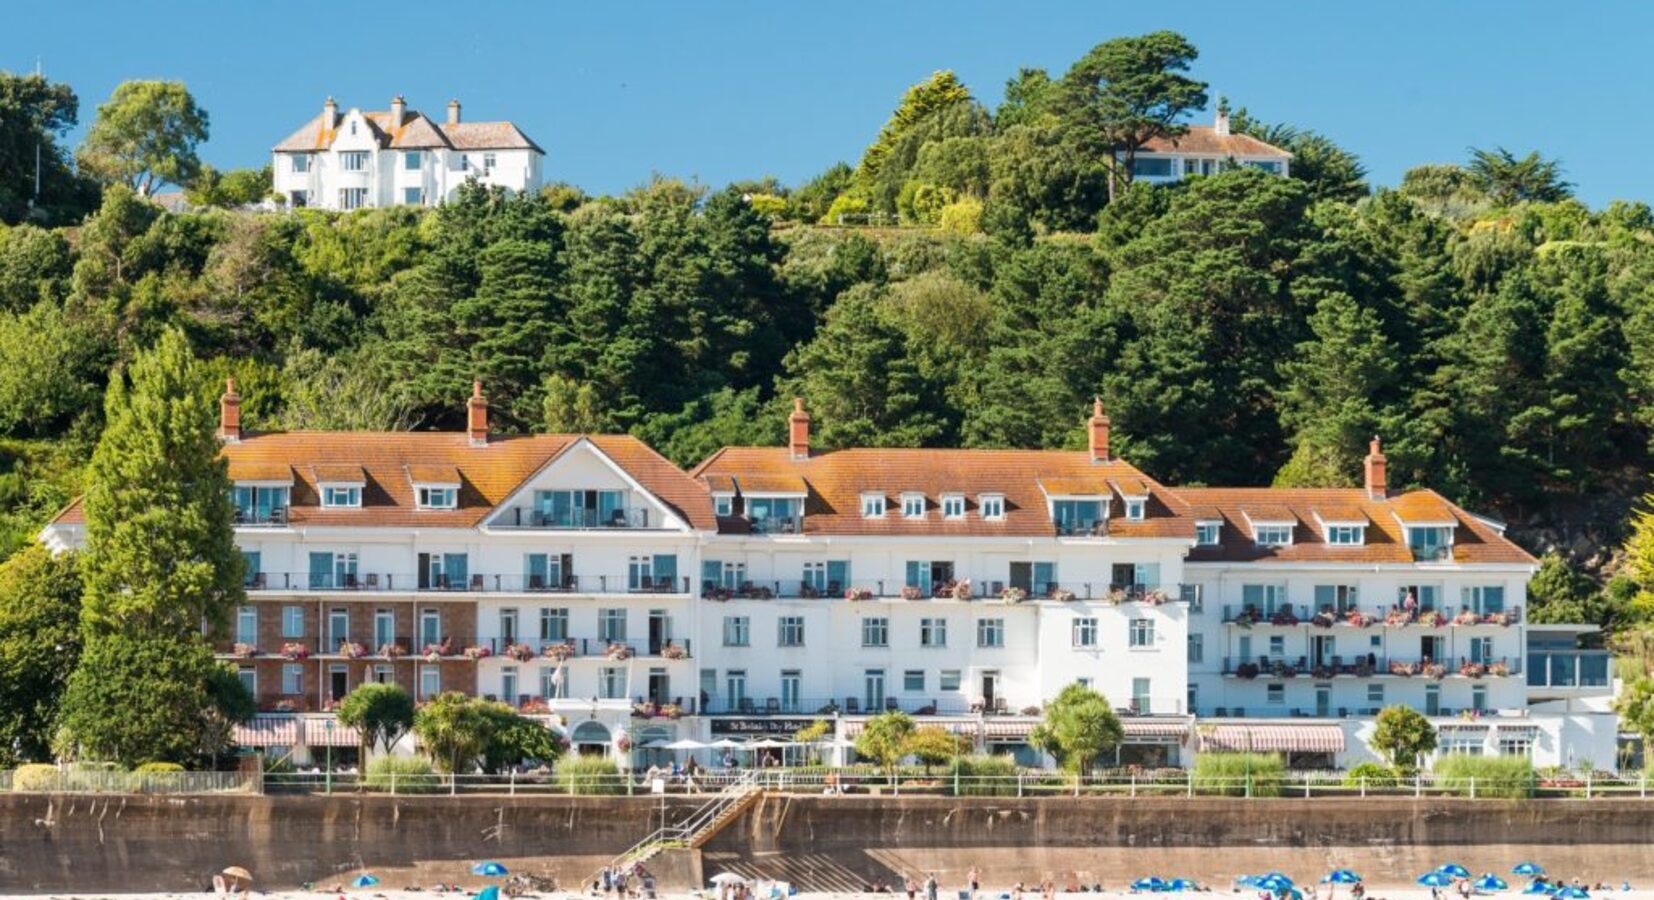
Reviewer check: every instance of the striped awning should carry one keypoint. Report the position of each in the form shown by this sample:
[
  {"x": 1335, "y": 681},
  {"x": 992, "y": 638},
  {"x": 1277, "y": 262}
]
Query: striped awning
[
  {"x": 1463, "y": 726},
  {"x": 318, "y": 734},
  {"x": 1275, "y": 738},
  {"x": 267, "y": 731},
  {"x": 1012, "y": 730},
  {"x": 1155, "y": 728},
  {"x": 854, "y": 727}
]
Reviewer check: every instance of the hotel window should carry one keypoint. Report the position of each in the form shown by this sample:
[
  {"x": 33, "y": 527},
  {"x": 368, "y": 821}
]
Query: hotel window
[
  {"x": 913, "y": 681},
  {"x": 737, "y": 631},
  {"x": 438, "y": 497},
  {"x": 430, "y": 628},
  {"x": 292, "y": 678},
  {"x": 1277, "y": 646},
  {"x": 611, "y": 683},
  {"x": 933, "y": 632},
  {"x": 790, "y": 631},
  {"x": 1346, "y": 535},
  {"x": 299, "y": 199},
  {"x": 872, "y": 506},
  {"x": 554, "y": 623},
  {"x": 464, "y": 162},
  {"x": 338, "y": 627},
  {"x": 1151, "y": 167},
  {"x": 489, "y": 161},
  {"x": 260, "y": 504},
  {"x": 723, "y": 505},
  {"x": 652, "y": 573},
  {"x": 353, "y": 198},
  {"x": 990, "y": 632},
  {"x": 992, "y": 506},
  {"x": 1425, "y": 596},
  {"x": 384, "y": 629},
  {"x": 1375, "y": 694},
  {"x": 1197, "y": 648},
  {"x": 1276, "y": 695},
  {"x": 412, "y": 160},
  {"x": 508, "y": 626},
  {"x": 611, "y": 624},
  {"x": 1194, "y": 595},
  {"x": 953, "y": 506},
  {"x": 413, "y": 196},
  {"x": 1085, "y": 632},
  {"x": 1135, "y": 509},
  {"x": 246, "y": 626},
  {"x": 1272, "y": 535},
  {"x": 1140, "y": 694},
  {"x": 553, "y": 682},
  {"x": 292, "y": 621},
  {"x": 1263, "y": 598},
  {"x": 913, "y": 506},
  {"x": 1515, "y": 744},
  {"x": 1481, "y": 650},
  {"x": 792, "y": 681},
  {"x": 249, "y": 679},
  {"x": 1478, "y": 697},
  {"x": 1432, "y": 699},
  {"x": 1191, "y": 167},
  {"x": 949, "y": 680},
  {"x": 1206, "y": 533},
  {"x": 735, "y": 686},
  {"x": 875, "y": 631},
  {"x": 340, "y": 496},
  {"x": 301, "y": 162},
  {"x": 1142, "y": 632},
  {"x": 508, "y": 684},
  {"x": 354, "y": 161},
  {"x": 1339, "y": 598},
  {"x": 1485, "y": 601},
  {"x": 1459, "y": 745}
]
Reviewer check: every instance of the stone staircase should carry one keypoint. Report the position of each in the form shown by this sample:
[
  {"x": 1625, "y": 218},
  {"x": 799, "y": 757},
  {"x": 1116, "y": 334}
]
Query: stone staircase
[{"x": 695, "y": 830}]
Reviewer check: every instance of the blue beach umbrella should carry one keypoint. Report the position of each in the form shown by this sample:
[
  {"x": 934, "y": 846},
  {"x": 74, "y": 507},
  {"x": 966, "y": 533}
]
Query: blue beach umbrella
[
  {"x": 1181, "y": 884},
  {"x": 1455, "y": 870},
  {"x": 1572, "y": 893},
  {"x": 1248, "y": 881},
  {"x": 1279, "y": 876},
  {"x": 492, "y": 892},
  {"x": 1273, "y": 883},
  {"x": 1437, "y": 878},
  {"x": 1491, "y": 882},
  {"x": 488, "y": 868},
  {"x": 1342, "y": 876},
  {"x": 1528, "y": 868},
  {"x": 1537, "y": 887},
  {"x": 364, "y": 880},
  {"x": 1152, "y": 883}
]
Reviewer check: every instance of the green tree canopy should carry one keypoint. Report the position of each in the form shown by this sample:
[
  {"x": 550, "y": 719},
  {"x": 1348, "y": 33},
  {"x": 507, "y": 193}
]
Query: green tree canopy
[
  {"x": 39, "y": 647},
  {"x": 381, "y": 713},
  {"x": 36, "y": 114},
  {"x": 885, "y": 739},
  {"x": 1508, "y": 179},
  {"x": 145, "y": 136},
  {"x": 1079, "y": 726},
  {"x": 1404, "y": 735}
]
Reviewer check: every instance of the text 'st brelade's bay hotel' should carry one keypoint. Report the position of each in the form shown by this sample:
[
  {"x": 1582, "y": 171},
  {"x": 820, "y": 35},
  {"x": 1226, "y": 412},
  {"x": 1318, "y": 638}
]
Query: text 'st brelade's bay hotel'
[{"x": 588, "y": 579}]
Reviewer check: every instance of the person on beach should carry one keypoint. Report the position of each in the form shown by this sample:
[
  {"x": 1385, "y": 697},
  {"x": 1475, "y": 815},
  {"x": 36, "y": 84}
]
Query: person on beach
[
  {"x": 912, "y": 887},
  {"x": 974, "y": 879},
  {"x": 930, "y": 887}
]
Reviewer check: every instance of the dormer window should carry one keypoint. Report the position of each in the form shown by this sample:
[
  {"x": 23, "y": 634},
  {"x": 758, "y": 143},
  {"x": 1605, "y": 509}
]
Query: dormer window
[
  {"x": 1271, "y": 535},
  {"x": 953, "y": 506},
  {"x": 723, "y": 504},
  {"x": 913, "y": 506},
  {"x": 1346, "y": 535},
  {"x": 1207, "y": 533},
  {"x": 438, "y": 497},
  {"x": 991, "y": 506},
  {"x": 341, "y": 496},
  {"x": 1134, "y": 509},
  {"x": 872, "y": 506}
]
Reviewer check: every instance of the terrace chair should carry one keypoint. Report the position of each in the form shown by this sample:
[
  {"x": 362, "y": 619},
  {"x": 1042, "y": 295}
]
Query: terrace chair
[
  {"x": 890, "y": 704},
  {"x": 772, "y": 705},
  {"x": 835, "y": 589},
  {"x": 350, "y": 581},
  {"x": 999, "y": 705},
  {"x": 1221, "y": 712},
  {"x": 373, "y": 581},
  {"x": 852, "y": 705},
  {"x": 476, "y": 582},
  {"x": 663, "y": 584},
  {"x": 536, "y": 582},
  {"x": 746, "y": 705},
  {"x": 1343, "y": 713},
  {"x": 258, "y": 581}
]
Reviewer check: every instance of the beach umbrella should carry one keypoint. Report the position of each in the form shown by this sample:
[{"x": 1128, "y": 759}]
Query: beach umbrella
[
  {"x": 1274, "y": 882},
  {"x": 1455, "y": 870},
  {"x": 1181, "y": 884},
  {"x": 1342, "y": 876},
  {"x": 489, "y": 868},
  {"x": 685, "y": 744},
  {"x": 655, "y": 745},
  {"x": 1279, "y": 876},
  {"x": 1248, "y": 881},
  {"x": 1528, "y": 868},
  {"x": 492, "y": 892},
  {"x": 1491, "y": 882},
  {"x": 728, "y": 878},
  {"x": 1152, "y": 883},
  {"x": 1572, "y": 893},
  {"x": 726, "y": 744},
  {"x": 769, "y": 744},
  {"x": 363, "y": 880},
  {"x": 1437, "y": 878},
  {"x": 1537, "y": 887}
]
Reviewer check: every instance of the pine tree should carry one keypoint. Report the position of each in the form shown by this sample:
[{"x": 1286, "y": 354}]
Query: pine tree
[
  {"x": 1327, "y": 402},
  {"x": 506, "y": 325},
  {"x": 39, "y": 646}
]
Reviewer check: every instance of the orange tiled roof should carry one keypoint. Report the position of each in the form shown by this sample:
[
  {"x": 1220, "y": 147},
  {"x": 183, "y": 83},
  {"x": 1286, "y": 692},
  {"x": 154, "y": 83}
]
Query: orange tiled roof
[
  {"x": 836, "y": 481},
  {"x": 260, "y": 470},
  {"x": 1341, "y": 513},
  {"x": 1204, "y": 139},
  {"x": 338, "y": 473},
  {"x": 1268, "y": 512},
  {"x": 417, "y": 132},
  {"x": 1074, "y": 486},
  {"x": 433, "y": 474},
  {"x": 1421, "y": 507},
  {"x": 771, "y": 484},
  {"x": 1129, "y": 487},
  {"x": 1474, "y": 540}
]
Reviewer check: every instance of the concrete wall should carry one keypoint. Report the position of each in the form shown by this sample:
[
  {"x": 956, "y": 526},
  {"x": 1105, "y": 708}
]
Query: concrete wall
[{"x": 81, "y": 843}]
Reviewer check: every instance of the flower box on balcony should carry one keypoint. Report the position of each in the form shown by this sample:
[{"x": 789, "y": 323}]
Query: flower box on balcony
[
  {"x": 1404, "y": 669},
  {"x": 295, "y": 650},
  {"x": 392, "y": 650},
  {"x": 1467, "y": 617},
  {"x": 1283, "y": 617},
  {"x": 245, "y": 651},
  {"x": 673, "y": 651},
  {"x": 1472, "y": 669},
  {"x": 1062, "y": 595},
  {"x": 1013, "y": 595},
  {"x": 618, "y": 652},
  {"x": 909, "y": 592},
  {"x": 352, "y": 649},
  {"x": 1498, "y": 669},
  {"x": 960, "y": 590},
  {"x": 858, "y": 594},
  {"x": 1431, "y": 619},
  {"x": 478, "y": 652},
  {"x": 1433, "y": 670},
  {"x": 558, "y": 651},
  {"x": 519, "y": 652},
  {"x": 1358, "y": 618}
]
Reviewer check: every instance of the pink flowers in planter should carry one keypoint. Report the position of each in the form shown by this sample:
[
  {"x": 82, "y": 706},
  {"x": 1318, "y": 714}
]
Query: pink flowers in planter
[
  {"x": 392, "y": 650},
  {"x": 670, "y": 650},
  {"x": 478, "y": 652},
  {"x": 352, "y": 649},
  {"x": 295, "y": 650},
  {"x": 618, "y": 652},
  {"x": 558, "y": 651},
  {"x": 858, "y": 594},
  {"x": 909, "y": 592},
  {"x": 245, "y": 651},
  {"x": 519, "y": 652},
  {"x": 1013, "y": 595}
]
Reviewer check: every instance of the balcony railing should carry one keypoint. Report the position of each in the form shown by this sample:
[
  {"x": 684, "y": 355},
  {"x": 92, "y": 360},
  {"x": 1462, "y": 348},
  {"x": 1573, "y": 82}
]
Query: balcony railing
[
  {"x": 474, "y": 583},
  {"x": 464, "y": 647},
  {"x": 623, "y": 517},
  {"x": 1570, "y": 669},
  {"x": 1293, "y": 614},
  {"x": 1367, "y": 666},
  {"x": 989, "y": 590},
  {"x": 777, "y": 525},
  {"x": 272, "y": 517},
  {"x": 1442, "y": 553},
  {"x": 1082, "y": 528}
]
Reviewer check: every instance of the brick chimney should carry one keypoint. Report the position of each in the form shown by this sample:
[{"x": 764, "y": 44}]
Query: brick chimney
[
  {"x": 798, "y": 430},
  {"x": 330, "y": 113},
  {"x": 1377, "y": 480},
  {"x": 229, "y": 414},
  {"x": 399, "y": 109},
  {"x": 1099, "y": 431},
  {"x": 476, "y": 415},
  {"x": 453, "y": 112},
  {"x": 1220, "y": 123}
]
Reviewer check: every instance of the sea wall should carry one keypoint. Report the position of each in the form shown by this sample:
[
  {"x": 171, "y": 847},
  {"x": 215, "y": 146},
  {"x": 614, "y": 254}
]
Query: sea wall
[{"x": 84, "y": 843}]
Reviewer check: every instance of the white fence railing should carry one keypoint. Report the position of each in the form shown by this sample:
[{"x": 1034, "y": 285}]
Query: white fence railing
[{"x": 81, "y": 781}]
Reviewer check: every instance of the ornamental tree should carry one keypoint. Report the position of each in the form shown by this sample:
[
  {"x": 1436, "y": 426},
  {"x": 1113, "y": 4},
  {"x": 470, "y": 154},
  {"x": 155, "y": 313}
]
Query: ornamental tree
[
  {"x": 39, "y": 645},
  {"x": 145, "y": 136},
  {"x": 885, "y": 739},
  {"x": 1403, "y": 734},
  {"x": 934, "y": 745},
  {"x": 1079, "y": 726},
  {"x": 381, "y": 713}
]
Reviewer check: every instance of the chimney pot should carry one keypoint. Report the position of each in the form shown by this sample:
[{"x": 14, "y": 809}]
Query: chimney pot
[
  {"x": 476, "y": 415},
  {"x": 453, "y": 112},
  {"x": 399, "y": 107},
  {"x": 1099, "y": 425},
  {"x": 798, "y": 430},
  {"x": 1376, "y": 471},
  {"x": 329, "y": 111},
  {"x": 1220, "y": 124},
  {"x": 229, "y": 414}
]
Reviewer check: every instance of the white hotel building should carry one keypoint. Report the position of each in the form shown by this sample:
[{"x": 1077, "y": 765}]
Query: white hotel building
[
  {"x": 395, "y": 157},
  {"x": 586, "y": 578}
]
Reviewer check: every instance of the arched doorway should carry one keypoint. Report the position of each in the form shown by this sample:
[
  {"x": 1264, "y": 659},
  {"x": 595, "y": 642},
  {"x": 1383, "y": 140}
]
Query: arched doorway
[{"x": 590, "y": 739}]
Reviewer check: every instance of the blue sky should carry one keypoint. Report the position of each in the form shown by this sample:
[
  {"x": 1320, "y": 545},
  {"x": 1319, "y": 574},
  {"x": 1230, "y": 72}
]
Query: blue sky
[{"x": 722, "y": 90}]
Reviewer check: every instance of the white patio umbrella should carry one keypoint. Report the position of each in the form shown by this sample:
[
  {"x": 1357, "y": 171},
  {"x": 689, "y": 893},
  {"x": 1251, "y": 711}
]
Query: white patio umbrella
[
  {"x": 838, "y": 743},
  {"x": 726, "y": 744},
  {"x": 768, "y": 744},
  {"x": 728, "y": 878},
  {"x": 656, "y": 745},
  {"x": 684, "y": 744}
]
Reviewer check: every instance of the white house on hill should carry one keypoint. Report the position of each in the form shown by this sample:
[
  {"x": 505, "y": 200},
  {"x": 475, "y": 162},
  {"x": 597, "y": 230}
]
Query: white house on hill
[
  {"x": 399, "y": 156},
  {"x": 1204, "y": 150}
]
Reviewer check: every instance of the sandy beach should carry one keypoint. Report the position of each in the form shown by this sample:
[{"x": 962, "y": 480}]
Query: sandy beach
[{"x": 985, "y": 894}]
